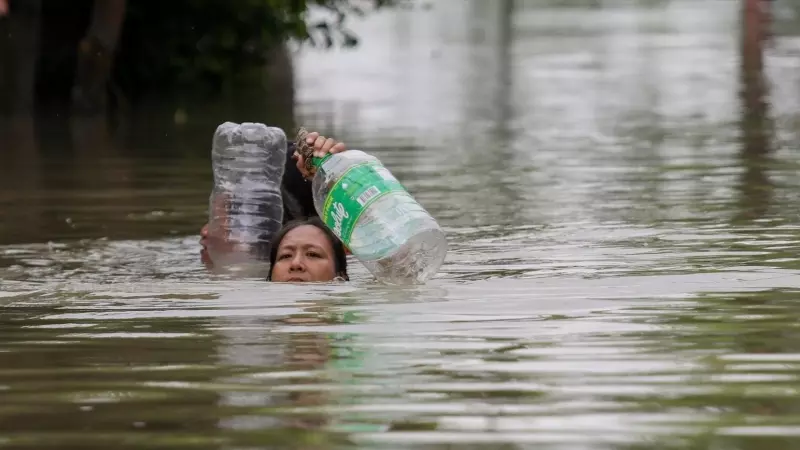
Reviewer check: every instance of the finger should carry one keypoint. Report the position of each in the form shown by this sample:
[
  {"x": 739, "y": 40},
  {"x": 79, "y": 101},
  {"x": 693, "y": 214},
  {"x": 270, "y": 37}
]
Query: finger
[
  {"x": 338, "y": 148},
  {"x": 311, "y": 137},
  {"x": 318, "y": 145},
  {"x": 328, "y": 145},
  {"x": 295, "y": 155}
]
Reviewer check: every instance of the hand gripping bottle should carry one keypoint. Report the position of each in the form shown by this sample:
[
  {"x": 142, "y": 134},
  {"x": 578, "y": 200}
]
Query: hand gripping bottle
[
  {"x": 246, "y": 207},
  {"x": 374, "y": 216}
]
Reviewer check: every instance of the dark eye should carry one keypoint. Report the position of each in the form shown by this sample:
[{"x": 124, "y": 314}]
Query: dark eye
[
  {"x": 284, "y": 256},
  {"x": 314, "y": 255}
]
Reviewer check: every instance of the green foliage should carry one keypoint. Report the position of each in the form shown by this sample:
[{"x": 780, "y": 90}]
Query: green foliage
[{"x": 211, "y": 43}]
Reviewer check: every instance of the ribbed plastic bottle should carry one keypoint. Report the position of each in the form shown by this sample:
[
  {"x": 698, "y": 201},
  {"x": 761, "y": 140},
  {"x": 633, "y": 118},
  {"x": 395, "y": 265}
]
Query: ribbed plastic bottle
[
  {"x": 245, "y": 206},
  {"x": 395, "y": 238}
]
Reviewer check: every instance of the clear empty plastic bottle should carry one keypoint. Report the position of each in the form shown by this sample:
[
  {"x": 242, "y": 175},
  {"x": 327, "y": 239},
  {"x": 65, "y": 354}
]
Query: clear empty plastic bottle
[
  {"x": 376, "y": 218},
  {"x": 245, "y": 206}
]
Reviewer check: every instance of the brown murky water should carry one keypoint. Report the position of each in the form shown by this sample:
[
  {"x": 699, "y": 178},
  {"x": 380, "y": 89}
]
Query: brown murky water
[{"x": 624, "y": 272}]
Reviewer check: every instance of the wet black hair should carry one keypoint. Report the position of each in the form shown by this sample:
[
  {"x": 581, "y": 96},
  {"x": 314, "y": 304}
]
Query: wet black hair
[{"x": 339, "y": 254}]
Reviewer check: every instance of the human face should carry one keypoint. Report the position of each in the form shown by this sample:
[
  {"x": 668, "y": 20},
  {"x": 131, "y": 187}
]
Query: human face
[{"x": 304, "y": 255}]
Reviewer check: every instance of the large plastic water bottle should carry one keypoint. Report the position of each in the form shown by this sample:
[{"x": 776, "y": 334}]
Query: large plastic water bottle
[
  {"x": 246, "y": 207},
  {"x": 375, "y": 217}
]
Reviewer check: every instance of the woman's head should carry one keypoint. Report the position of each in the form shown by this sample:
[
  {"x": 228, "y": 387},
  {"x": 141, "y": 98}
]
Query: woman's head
[{"x": 306, "y": 251}]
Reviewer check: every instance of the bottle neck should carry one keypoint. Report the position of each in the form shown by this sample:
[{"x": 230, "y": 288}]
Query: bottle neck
[{"x": 317, "y": 161}]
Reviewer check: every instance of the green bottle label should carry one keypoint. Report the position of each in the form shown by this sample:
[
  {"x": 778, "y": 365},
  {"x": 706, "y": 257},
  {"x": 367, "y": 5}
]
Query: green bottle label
[{"x": 359, "y": 187}]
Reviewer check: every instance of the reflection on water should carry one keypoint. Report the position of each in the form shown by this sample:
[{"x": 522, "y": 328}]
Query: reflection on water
[
  {"x": 756, "y": 188},
  {"x": 619, "y": 187}
]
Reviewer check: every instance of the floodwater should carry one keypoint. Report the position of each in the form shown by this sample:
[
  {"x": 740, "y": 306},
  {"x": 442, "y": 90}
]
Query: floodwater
[{"x": 624, "y": 272}]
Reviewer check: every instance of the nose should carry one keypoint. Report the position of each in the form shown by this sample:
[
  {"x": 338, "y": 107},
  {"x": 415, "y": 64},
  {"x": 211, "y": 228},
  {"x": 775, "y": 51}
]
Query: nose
[{"x": 298, "y": 264}]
